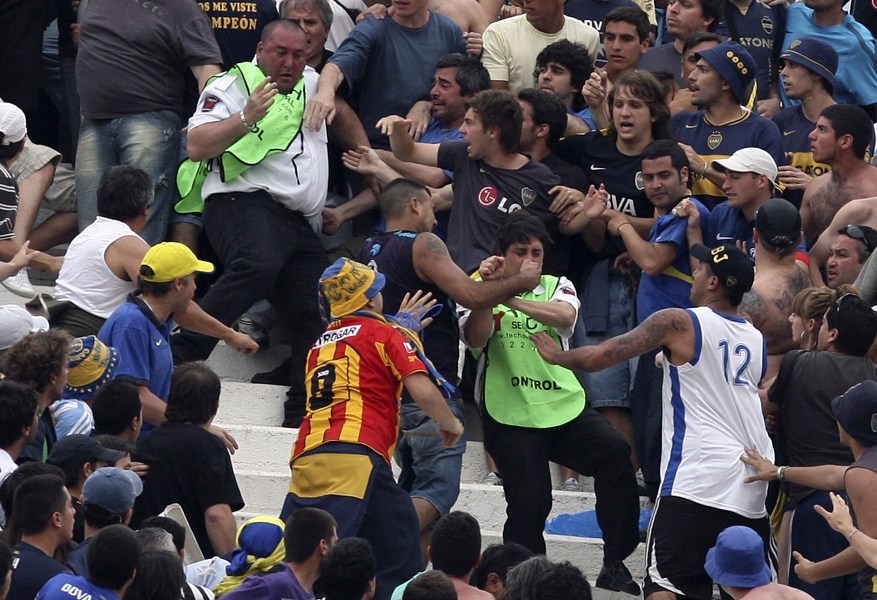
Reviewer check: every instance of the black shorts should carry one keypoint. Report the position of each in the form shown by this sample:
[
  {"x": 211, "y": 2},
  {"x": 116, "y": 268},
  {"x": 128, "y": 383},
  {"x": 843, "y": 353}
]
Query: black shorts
[{"x": 680, "y": 534}]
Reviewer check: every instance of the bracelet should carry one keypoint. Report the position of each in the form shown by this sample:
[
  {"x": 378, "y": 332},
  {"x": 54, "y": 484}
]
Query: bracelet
[
  {"x": 781, "y": 473},
  {"x": 852, "y": 533},
  {"x": 249, "y": 127},
  {"x": 703, "y": 172},
  {"x": 618, "y": 229}
]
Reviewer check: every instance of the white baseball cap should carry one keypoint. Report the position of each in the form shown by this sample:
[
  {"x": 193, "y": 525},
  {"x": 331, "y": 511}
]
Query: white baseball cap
[
  {"x": 749, "y": 160},
  {"x": 13, "y": 125},
  {"x": 16, "y": 322}
]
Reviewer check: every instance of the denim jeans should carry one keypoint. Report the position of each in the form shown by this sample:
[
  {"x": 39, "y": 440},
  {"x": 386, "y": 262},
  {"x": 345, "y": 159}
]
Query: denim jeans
[{"x": 145, "y": 140}]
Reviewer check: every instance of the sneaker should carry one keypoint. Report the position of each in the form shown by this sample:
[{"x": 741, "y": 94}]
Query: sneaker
[
  {"x": 248, "y": 326},
  {"x": 493, "y": 479},
  {"x": 19, "y": 284},
  {"x": 615, "y": 576},
  {"x": 571, "y": 485}
]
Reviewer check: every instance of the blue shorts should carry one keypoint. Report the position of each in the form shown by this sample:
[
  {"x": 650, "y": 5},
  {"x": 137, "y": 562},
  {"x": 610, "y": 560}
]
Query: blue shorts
[
  {"x": 429, "y": 470},
  {"x": 611, "y": 386}
]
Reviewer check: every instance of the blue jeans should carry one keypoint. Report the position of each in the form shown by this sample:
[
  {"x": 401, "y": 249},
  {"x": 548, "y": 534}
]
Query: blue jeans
[
  {"x": 429, "y": 470},
  {"x": 148, "y": 141},
  {"x": 611, "y": 386}
]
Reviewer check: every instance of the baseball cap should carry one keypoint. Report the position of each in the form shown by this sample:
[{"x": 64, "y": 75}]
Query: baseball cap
[
  {"x": 856, "y": 411},
  {"x": 16, "y": 322},
  {"x": 77, "y": 449},
  {"x": 13, "y": 125},
  {"x": 737, "y": 559},
  {"x": 815, "y": 54},
  {"x": 113, "y": 489},
  {"x": 170, "y": 260},
  {"x": 92, "y": 364},
  {"x": 735, "y": 65},
  {"x": 778, "y": 222},
  {"x": 348, "y": 285},
  {"x": 729, "y": 264},
  {"x": 749, "y": 160}
]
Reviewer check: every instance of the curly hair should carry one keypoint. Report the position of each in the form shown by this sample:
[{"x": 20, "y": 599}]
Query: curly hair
[{"x": 38, "y": 357}]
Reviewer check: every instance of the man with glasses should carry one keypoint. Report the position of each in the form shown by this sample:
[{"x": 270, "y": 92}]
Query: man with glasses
[
  {"x": 848, "y": 253},
  {"x": 801, "y": 397}
]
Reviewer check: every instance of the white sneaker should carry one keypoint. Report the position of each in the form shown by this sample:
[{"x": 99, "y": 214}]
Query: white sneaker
[
  {"x": 571, "y": 485},
  {"x": 19, "y": 284},
  {"x": 492, "y": 479}
]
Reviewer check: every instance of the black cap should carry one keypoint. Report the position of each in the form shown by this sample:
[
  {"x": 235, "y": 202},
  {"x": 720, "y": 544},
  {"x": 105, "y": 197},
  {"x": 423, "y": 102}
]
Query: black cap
[
  {"x": 729, "y": 263},
  {"x": 79, "y": 449},
  {"x": 856, "y": 411},
  {"x": 778, "y": 222}
]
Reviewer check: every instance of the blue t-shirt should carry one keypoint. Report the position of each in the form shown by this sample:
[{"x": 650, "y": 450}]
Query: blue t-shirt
[
  {"x": 585, "y": 115},
  {"x": 388, "y": 67},
  {"x": 713, "y": 142},
  {"x": 856, "y": 79},
  {"x": 672, "y": 287},
  {"x": 760, "y": 30},
  {"x": 281, "y": 585},
  {"x": 144, "y": 347},
  {"x": 67, "y": 587}
]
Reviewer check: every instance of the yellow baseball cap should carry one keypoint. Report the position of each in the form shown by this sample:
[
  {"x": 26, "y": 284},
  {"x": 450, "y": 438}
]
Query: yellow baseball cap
[
  {"x": 170, "y": 260},
  {"x": 348, "y": 286}
]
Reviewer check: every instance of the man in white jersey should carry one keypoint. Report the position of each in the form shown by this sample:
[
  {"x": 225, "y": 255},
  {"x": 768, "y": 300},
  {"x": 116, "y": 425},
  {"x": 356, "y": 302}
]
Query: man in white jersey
[{"x": 713, "y": 362}]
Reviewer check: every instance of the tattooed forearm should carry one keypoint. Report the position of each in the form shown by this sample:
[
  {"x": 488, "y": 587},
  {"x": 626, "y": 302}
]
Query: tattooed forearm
[{"x": 649, "y": 335}]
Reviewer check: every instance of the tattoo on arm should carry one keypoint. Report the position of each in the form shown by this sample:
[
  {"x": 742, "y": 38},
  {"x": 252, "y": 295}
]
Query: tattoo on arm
[
  {"x": 649, "y": 335},
  {"x": 435, "y": 245},
  {"x": 752, "y": 306}
]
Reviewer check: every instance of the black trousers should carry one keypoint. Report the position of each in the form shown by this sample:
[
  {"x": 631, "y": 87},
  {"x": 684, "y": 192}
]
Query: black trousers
[
  {"x": 269, "y": 252},
  {"x": 587, "y": 444}
]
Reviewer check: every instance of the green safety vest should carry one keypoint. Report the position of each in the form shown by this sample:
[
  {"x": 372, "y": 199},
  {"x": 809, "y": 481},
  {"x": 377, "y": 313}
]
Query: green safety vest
[
  {"x": 273, "y": 135},
  {"x": 520, "y": 388}
]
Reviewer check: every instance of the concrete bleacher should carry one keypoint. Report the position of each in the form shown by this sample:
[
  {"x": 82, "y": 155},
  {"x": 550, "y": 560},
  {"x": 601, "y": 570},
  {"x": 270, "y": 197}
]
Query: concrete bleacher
[{"x": 252, "y": 413}]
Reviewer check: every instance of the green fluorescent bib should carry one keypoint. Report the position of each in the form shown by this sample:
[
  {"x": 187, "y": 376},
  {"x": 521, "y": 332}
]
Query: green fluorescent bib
[{"x": 273, "y": 135}]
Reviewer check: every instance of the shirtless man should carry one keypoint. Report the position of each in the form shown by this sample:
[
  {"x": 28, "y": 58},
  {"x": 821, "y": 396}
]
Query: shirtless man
[
  {"x": 778, "y": 279},
  {"x": 841, "y": 139}
]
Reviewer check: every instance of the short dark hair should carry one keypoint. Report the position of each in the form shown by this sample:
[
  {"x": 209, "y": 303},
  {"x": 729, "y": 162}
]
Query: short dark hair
[
  {"x": 432, "y": 585},
  {"x": 159, "y": 575},
  {"x": 177, "y": 531},
  {"x": 500, "y": 109},
  {"x": 572, "y": 56},
  {"x": 124, "y": 192},
  {"x": 112, "y": 557},
  {"x": 37, "y": 357},
  {"x": 629, "y": 14},
  {"x": 644, "y": 86},
  {"x": 520, "y": 227},
  {"x": 303, "y": 532},
  {"x": 524, "y": 578},
  {"x": 563, "y": 582},
  {"x": 855, "y": 322},
  {"x": 395, "y": 196},
  {"x": 114, "y": 443},
  {"x": 10, "y": 150},
  {"x": 114, "y": 405},
  {"x": 347, "y": 570},
  {"x": 194, "y": 395},
  {"x": 498, "y": 559},
  {"x": 18, "y": 405},
  {"x": 153, "y": 288},
  {"x": 456, "y": 544},
  {"x": 712, "y": 9},
  {"x": 13, "y": 481},
  {"x": 548, "y": 109},
  {"x": 472, "y": 76},
  {"x": 36, "y": 500},
  {"x": 699, "y": 37},
  {"x": 852, "y": 120},
  {"x": 667, "y": 81},
  {"x": 661, "y": 148}
]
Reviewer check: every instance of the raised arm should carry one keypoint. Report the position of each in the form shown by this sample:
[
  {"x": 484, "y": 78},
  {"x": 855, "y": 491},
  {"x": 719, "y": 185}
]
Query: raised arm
[{"x": 403, "y": 145}]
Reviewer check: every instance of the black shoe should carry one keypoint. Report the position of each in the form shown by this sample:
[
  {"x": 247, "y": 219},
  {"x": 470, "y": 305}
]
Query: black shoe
[
  {"x": 249, "y": 327},
  {"x": 615, "y": 576},
  {"x": 279, "y": 376}
]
